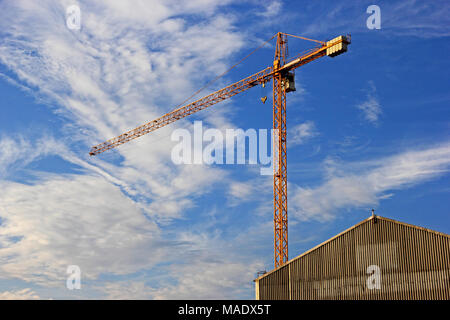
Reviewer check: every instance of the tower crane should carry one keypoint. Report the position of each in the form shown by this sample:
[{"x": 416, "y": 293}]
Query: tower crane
[{"x": 281, "y": 72}]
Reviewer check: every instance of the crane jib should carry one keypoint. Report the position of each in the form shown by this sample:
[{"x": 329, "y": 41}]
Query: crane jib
[{"x": 331, "y": 48}]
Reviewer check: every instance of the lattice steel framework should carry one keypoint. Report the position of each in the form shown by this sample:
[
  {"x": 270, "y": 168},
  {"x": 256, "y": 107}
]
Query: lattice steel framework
[{"x": 280, "y": 218}]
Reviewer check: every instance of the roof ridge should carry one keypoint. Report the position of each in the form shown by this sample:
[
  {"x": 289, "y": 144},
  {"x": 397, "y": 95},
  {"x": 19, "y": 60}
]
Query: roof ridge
[
  {"x": 411, "y": 225},
  {"x": 372, "y": 217}
]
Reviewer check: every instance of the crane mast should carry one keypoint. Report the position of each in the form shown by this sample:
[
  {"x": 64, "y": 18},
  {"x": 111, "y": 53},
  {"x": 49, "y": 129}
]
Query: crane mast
[
  {"x": 283, "y": 82},
  {"x": 280, "y": 220}
]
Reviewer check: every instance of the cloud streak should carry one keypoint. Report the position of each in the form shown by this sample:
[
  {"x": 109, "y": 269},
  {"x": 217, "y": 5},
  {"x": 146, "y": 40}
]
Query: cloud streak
[
  {"x": 24, "y": 294},
  {"x": 72, "y": 219},
  {"x": 365, "y": 184},
  {"x": 399, "y": 18},
  {"x": 371, "y": 108},
  {"x": 302, "y": 132}
]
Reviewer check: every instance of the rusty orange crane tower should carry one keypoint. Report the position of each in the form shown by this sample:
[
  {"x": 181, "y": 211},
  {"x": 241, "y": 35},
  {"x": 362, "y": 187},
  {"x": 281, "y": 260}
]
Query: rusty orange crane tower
[{"x": 283, "y": 81}]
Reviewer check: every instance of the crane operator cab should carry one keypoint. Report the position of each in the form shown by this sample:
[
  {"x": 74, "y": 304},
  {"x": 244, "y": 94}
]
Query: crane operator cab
[{"x": 289, "y": 82}]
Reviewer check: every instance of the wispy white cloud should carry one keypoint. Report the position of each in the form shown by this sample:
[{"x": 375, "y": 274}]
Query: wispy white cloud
[
  {"x": 302, "y": 132},
  {"x": 272, "y": 8},
  {"x": 73, "y": 220},
  {"x": 17, "y": 152},
  {"x": 241, "y": 190},
  {"x": 257, "y": 189},
  {"x": 213, "y": 270},
  {"x": 371, "y": 107},
  {"x": 417, "y": 18},
  {"x": 197, "y": 280},
  {"x": 24, "y": 294},
  {"x": 352, "y": 185},
  {"x": 423, "y": 19},
  {"x": 211, "y": 280}
]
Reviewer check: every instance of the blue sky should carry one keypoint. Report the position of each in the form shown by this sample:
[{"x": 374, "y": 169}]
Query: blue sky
[{"x": 368, "y": 129}]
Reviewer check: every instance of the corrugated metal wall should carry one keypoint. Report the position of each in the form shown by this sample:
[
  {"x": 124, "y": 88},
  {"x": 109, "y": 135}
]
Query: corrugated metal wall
[{"x": 413, "y": 263}]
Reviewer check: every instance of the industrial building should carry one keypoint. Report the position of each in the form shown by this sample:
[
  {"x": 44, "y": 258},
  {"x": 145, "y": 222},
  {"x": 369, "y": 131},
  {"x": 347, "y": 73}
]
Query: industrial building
[{"x": 378, "y": 258}]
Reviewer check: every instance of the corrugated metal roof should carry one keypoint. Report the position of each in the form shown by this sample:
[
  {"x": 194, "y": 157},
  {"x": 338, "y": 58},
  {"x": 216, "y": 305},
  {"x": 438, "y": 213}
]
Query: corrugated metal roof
[{"x": 346, "y": 231}]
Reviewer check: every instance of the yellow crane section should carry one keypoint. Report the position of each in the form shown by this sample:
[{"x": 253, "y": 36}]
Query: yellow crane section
[{"x": 283, "y": 81}]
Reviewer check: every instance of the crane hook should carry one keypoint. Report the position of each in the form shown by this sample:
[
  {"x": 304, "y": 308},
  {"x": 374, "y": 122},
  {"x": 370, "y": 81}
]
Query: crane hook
[{"x": 264, "y": 98}]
